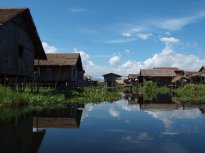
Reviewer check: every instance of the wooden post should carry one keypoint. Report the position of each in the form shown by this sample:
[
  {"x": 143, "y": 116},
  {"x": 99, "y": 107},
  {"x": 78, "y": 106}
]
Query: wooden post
[{"x": 38, "y": 73}]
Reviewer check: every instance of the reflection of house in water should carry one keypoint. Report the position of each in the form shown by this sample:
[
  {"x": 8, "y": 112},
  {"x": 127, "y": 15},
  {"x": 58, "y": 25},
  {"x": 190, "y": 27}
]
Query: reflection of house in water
[
  {"x": 132, "y": 98},
  {"x": 162, "y": 101},
  {"x": 19, "y": 137},
  {"x": 68, "y": 117}
]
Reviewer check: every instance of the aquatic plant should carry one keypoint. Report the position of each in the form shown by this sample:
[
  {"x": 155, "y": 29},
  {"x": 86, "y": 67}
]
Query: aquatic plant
[{"x": 191, "y": 93}]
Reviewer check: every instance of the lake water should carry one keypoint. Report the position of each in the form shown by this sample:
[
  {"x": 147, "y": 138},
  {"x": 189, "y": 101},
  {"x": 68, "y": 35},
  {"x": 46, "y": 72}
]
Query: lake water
[{"x": 125, "y": 126}]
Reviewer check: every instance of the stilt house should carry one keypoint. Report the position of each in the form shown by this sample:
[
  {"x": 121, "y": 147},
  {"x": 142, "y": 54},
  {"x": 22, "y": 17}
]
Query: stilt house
[
  {"x": 60, "y": 69},
  {"x": 19, "y": 45}
]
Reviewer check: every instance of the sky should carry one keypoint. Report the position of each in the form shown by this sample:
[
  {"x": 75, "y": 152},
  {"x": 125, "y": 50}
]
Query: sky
[{"x": 122, "y": 36}]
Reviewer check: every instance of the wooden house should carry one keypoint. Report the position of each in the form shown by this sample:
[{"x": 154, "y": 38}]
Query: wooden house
[
  {"x": 19, "y": 45},
  {"x": 60, "y": 69},
  {"x": 196, "y": 77},
  {"x": 110, "y": 79},
  {"x": 162, "y": 77}
]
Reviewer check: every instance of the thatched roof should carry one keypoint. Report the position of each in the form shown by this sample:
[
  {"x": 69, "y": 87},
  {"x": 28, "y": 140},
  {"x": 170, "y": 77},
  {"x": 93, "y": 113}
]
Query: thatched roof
[
  {"x": 157, "y": 73},
  {"x": 61, "y": 60},
  {"x": 7, "y": 14},
  {"x": 168, "y": 68}
]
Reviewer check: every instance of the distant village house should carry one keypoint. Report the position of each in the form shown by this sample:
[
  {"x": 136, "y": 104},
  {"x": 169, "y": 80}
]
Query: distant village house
[
  {"x": 110, "y": 79},
  {"x": 162, "y": 77}
]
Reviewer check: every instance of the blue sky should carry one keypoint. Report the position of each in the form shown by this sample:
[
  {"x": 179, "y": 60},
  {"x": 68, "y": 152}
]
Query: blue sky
[{"x": 122, "y": 36}]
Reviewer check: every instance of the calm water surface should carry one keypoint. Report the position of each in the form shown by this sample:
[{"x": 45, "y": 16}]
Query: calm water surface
[{"x": 121, "y": 126}]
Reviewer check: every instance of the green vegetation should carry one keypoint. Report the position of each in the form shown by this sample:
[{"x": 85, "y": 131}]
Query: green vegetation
[
  {"x": 50, "y": 98},
  {"x": 151, "y": 87},
  {"x": 191, "y": 93}
]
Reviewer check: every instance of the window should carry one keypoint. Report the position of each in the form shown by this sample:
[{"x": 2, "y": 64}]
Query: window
[{"x": 21, "y": 48}]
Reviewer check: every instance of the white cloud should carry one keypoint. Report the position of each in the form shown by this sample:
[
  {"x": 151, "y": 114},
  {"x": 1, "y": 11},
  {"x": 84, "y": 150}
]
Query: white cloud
[
  {"x": 169, "y": 40},
  {"x": 48, "y": 48},
  {"x": 113, "y": 60},
  {"x": 168, "y": 24},
  {"x": 175, "y": 24},
  {"x": 126, "y": 34},
  {"x": 76, "y": 10},
  {"x": 127, "y": 51},
  {"x": 113, "y": 112},
  {"x": 144, "y": 36},
  {"x": 166, "y": 58},
  {"x": 85, "y": 58},
  {"x": 120, "y": 41}
]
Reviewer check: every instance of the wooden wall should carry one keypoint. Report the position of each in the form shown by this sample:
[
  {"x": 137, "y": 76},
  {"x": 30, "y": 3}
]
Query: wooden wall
[
  {"x": 12, "y": 35},
  {"x": 54, "y": 73}
]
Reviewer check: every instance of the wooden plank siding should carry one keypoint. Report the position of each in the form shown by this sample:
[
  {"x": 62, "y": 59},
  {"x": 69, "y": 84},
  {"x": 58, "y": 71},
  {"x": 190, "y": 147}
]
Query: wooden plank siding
[
  {"x": 60, "y": 69},
  {"x": 19, "y": 44}
]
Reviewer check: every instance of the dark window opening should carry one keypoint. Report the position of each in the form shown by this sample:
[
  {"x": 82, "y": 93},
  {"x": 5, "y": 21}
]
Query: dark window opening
[{"x": 21, "y": 48}]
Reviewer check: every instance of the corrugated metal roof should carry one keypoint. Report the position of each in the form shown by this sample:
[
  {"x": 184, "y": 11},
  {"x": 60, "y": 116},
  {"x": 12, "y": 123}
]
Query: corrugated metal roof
[
  {"x": 157, "y": 72},
  {"x": 59, "y": 59},
  {"x": 7, "y": 14}
]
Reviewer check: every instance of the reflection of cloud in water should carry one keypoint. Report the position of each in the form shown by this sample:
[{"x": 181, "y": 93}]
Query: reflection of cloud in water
[
  {"x": 144, "y": 141},
  {"x": 123, "y": 104},
  {"x": 171, "y": 148},
  {"x": 88, "y": 108},
  {"x": 168, "y": 117},
  {"x": 113, "y": 112},
  {"x": 119, "y": 131},
  {"x": 144, "y": 137}
]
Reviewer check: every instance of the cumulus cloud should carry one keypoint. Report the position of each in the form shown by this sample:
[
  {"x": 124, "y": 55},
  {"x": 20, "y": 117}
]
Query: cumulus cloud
[
  {"x": 165, "y": 58},
  {"x": 113, "y": 60},
  {"x": 48, "y": 48},
  {"x": 144, "y": 36},
  {"x": 85, "y": 58}
]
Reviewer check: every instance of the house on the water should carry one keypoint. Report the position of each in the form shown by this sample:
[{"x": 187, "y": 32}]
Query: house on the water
[
  {"x": 162, "y": 77},
  {"x": 196, "y": 77},
  {"x": 19, "y": 46},
  {"x": 60, "y": 69},
  {"x": 110, "y": 79}
]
